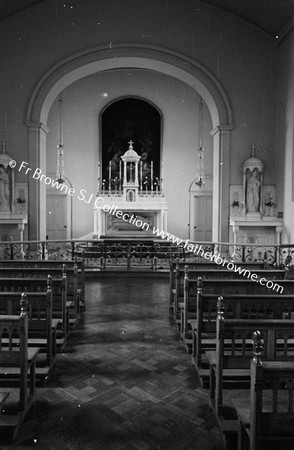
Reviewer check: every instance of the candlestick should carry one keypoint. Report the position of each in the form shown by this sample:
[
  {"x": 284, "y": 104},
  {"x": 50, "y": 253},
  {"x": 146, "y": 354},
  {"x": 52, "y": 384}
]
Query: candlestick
[
  {"x": 141, "y": 175},
  {"x": 120, "y": 174},
  {"x": 109, "y": 177},
  {"x": 98, "y": 176},
  {"x": 151, "y": 175}
]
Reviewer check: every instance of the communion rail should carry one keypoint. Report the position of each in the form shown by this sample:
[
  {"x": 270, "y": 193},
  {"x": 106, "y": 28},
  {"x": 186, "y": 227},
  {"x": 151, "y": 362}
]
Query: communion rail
[{"x": 152, "y": 254}]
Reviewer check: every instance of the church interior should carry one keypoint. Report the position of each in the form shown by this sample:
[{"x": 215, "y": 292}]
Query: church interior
[{"x": 146, "y": 221}]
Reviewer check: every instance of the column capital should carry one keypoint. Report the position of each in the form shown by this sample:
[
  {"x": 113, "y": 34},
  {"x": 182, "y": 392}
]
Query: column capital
[
  {"x": 224, "y": 129},
  {"x": 34, "y": 126},
  {"x": 235, "y": 229}
]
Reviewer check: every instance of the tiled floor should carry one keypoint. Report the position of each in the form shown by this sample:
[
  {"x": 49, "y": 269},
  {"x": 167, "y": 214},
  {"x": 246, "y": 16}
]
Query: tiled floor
[{"x": 124, "y": 381}]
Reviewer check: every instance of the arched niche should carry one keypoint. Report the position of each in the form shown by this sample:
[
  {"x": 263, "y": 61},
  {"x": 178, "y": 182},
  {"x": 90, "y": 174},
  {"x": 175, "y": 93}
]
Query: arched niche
[
  {"x": 130, "y": 119},
  {"x": 152, "y": 58}
]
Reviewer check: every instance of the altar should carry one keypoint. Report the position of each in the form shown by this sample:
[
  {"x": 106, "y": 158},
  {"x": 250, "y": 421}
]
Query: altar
[
  {"x": 132, "y": 204},
  {"x": 13, "y": 201},
  {"x": 253, "y": 217}
]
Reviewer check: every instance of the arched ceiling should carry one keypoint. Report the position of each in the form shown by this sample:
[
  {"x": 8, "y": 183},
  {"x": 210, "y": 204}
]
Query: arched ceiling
[
  {"x": 11, "y": 7},
  {"x": 271, "y": 16}
]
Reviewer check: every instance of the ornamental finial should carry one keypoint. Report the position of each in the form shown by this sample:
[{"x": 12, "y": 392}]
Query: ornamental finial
[
  {"x": 253, "y": 149},
  {"x": 257, "y": 347}
]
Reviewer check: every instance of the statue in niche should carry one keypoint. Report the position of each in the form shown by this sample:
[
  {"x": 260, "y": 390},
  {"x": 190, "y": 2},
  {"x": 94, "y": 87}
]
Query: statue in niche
[
  {"x": 4, "y": 190},
  {"x": 253, "y": 192}
]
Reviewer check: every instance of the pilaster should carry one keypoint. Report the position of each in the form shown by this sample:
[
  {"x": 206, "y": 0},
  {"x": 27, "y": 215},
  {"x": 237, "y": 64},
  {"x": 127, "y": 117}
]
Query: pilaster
[
  {"x": 37, "y": 189},
  {"x": 221, "y": 184}
]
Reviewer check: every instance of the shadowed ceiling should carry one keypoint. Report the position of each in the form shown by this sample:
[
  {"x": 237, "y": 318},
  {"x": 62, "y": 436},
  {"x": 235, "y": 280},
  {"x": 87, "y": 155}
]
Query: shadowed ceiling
[{"x": 269, "y": 15}]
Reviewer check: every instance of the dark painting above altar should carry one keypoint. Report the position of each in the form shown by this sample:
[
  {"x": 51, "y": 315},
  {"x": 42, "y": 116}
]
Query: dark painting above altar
[{"x": 130, "y": 119}]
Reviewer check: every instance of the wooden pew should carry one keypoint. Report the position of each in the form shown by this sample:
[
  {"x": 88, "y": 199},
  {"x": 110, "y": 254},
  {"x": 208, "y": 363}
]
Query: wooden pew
[
  {"x": 74, "y": 270},
  {"x": 72, "y": 291},
  {"x": 266, "y": 418},
  {"x": 42, "y": 329},
  {"x": 210, "y": 270},
  {"x": 196, "y": 288},
  {"x": 58, "y": 287},
  {"x": 177, "y": 268},
  {"x": 215, "y": 274},
  {"x": 253, "y": 306},
  {"x": 17, "y": 362},
  {"x": 230, "y": 363}
]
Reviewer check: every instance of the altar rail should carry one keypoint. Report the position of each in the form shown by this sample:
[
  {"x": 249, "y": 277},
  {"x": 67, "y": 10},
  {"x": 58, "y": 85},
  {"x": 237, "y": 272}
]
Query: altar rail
[
  {"x": 119, "y": 193},
  {"x": 152, "y": 254}
]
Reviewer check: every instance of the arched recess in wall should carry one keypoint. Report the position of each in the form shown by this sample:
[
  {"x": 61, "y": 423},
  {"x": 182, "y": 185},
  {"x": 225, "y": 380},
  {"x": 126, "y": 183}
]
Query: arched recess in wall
[
  {"x": 130, "y": 119},
  {"x": 152, "y": 58}
]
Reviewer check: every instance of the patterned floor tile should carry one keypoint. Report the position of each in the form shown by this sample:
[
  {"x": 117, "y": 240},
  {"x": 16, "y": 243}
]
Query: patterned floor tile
[{"x": 124, "y": 381}]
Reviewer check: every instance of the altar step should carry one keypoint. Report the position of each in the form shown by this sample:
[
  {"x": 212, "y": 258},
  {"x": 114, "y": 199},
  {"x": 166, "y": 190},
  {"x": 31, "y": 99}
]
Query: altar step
[{"x": 124, "y": 272}]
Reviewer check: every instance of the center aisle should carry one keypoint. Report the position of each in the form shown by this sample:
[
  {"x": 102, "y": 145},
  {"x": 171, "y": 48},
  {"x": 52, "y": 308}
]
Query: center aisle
[{"x": 124, "y": 381}]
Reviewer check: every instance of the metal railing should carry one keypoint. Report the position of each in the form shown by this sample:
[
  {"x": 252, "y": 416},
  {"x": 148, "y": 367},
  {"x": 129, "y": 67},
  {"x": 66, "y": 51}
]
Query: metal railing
[{"x": 153, "y": 254}]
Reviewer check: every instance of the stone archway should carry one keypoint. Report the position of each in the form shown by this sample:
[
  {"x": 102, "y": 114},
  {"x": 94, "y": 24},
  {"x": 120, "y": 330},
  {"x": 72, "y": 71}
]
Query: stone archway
[{"x": 131, "y": 56}]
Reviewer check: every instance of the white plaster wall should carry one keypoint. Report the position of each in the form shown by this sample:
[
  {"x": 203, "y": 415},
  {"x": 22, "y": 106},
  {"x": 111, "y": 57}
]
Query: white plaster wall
[{"x": 284, "y": 134}]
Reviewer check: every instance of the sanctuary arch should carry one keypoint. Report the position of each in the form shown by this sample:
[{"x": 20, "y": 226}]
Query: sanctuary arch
[{"x": 152, "y": 58}]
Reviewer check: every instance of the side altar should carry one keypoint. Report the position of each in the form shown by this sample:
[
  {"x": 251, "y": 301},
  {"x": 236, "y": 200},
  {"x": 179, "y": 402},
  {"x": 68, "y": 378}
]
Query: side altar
[
  {"x": 253, "y": 218},
  {"x": 132, "y": 203},
  {"x": 13, "y": 201}
]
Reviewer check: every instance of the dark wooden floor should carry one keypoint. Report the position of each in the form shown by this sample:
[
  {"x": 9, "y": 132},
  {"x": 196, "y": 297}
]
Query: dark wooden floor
[{"x": 124, "y": 381}]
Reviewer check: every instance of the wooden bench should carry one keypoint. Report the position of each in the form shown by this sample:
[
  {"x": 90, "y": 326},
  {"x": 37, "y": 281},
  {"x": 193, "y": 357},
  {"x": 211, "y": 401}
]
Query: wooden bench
[
  {"x": 17, "y": 362},
  {"x": 75, "y": 271},
  {"x": 266, "y": 418},
  {"x": 177, "y": 269},
  {"x": 58, "y": 286},
  {"x": 230, "y": 363},
  {"x": 210, "y": 270},
  {"x": 196, "y": 288},
  {"x": 73, "y": 292},
  {"x": 253, "y": 306},
  {"x": 215, "y": 274},
  {"x": 42, "y": 329}
]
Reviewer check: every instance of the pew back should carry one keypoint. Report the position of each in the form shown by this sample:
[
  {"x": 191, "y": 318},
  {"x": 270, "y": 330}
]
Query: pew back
[
  {"x": 236, "y": 307},
  {"x": 38, "y": 308},
  {"x": 33, "y": 285},
  {"x": 17, "y": 355},
  {"x": 193, "y": 289},
  {"x": 234, "y": 349},
  {"x": 268, "y": 421}
]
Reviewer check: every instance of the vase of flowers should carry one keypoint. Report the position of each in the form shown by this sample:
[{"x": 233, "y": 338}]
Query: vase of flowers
[
  {"x": 236, "y": 207},
  {"x": 269, "y": 207},
  {"x": 20, "y": 203}
]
